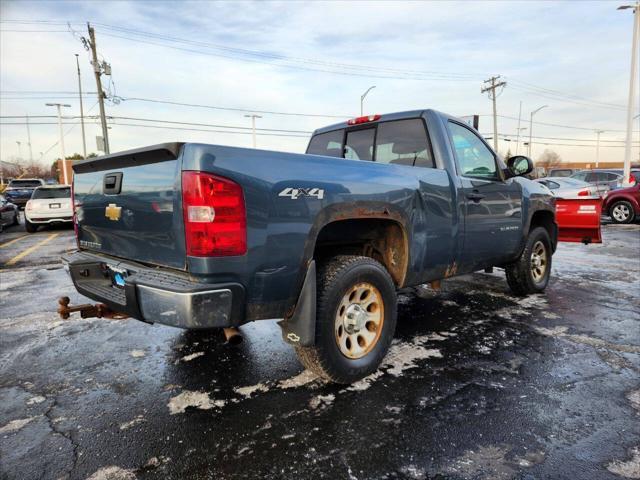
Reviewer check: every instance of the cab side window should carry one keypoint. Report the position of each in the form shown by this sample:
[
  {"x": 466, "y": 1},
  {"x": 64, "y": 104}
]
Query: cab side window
[
  {"x": 403, "y": 142},
  {"x": 475, "y": 159}
]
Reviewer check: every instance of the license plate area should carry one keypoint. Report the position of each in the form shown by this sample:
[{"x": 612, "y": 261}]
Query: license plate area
[{"x": 54, "y": 205}]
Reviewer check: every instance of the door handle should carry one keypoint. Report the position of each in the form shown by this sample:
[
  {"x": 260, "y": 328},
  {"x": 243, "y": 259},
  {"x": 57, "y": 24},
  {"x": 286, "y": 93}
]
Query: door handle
[{"x": 475, "y": 196}]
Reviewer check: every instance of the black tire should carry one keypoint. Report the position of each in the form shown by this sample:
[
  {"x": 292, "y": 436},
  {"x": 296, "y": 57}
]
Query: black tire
[
  {"x": 522, "y": 277},
  {"x": 30, "y": 227},
  {"x": 335, "y": 278},
  {"x": 16, "y": 218},
  {"x": 621, "y": 212}
]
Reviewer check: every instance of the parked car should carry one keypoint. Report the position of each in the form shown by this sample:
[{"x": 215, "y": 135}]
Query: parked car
[
  {"x": 623, "y": 205},
  {"x": 603, "y": 180},
  {"x": 50, "y": 204},
  {"x": 566, "y": 187},
  {"x": 201, "y": 236},
  {"x": 9, "y": 213},
  {"x": 19, "y": 190},
  {"x": 562, "y": 172}
]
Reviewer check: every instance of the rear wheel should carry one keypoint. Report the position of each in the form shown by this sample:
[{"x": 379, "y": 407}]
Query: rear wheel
[
  {"x": 530, "y": 272},
  {"x": 355, "y": 319},
  {"x": 30, "y": 227},
  {"x": 622, "y": 212}
]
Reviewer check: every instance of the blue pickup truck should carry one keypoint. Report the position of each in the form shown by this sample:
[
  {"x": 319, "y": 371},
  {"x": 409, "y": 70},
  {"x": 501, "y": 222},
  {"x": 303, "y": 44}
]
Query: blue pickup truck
[{"x": 204, "y": 236}]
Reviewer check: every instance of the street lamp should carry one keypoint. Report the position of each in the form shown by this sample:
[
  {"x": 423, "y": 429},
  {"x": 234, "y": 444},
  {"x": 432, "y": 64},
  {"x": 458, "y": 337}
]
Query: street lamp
[
  {"x": 362, "y": 99},
  {"x": 253, "y": 126},
  {"x": 521, "y": 129},
  {"x": 632, "y": 88},
  {"x": 64, "y": 162},
  {"x": 598, "y": 132},
  {"x": 531, "y": 126}
]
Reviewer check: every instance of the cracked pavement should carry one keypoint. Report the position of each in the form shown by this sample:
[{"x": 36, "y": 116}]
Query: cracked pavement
[{"x": 478, "y": 384}]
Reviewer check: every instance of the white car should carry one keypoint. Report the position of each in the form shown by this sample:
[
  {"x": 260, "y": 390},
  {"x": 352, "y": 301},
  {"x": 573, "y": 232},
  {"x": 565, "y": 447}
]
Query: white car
[
  {"x": 48, "y": 204},
  {"x": 567, "y": 187}
]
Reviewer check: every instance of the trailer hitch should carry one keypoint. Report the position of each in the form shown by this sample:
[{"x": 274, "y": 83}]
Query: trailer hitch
[{"x": 99, "y": 310}]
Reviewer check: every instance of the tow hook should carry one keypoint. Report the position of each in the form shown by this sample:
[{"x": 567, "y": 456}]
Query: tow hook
[{"x": 99, "y": 310}]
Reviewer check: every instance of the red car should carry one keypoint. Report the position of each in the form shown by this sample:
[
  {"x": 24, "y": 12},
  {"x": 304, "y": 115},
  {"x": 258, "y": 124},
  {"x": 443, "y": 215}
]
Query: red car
[{"x": 623, "y": 206}]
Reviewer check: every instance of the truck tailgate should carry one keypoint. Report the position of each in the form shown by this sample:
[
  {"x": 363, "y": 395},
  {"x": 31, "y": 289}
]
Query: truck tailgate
[{"x": 128, "y": 205}]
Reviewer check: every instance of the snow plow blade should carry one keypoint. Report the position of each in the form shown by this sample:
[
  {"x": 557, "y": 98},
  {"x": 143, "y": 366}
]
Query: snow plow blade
[{"x": 579, "y": 219}]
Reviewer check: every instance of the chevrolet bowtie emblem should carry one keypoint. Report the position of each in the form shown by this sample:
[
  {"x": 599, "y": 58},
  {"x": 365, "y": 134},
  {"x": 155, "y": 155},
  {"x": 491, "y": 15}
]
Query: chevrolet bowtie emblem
[{"x": 112, "y": 212}]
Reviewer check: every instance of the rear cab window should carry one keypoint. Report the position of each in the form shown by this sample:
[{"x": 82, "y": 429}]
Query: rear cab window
[
  {"x": 46, "y": 193},
  {"x": 399, "y": 142},
  {"x": 24, "y": 184}
]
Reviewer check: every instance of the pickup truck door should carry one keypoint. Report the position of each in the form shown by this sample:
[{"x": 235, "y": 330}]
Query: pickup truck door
[{"x": 492, "y": 206}]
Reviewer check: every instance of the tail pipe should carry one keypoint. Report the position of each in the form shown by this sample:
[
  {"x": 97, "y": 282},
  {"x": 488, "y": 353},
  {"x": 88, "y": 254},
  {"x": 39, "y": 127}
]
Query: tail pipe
[{"x": 232, "y": 335}]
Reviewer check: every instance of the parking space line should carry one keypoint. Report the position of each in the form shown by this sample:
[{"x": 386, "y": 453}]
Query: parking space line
[
  {"x": 33, "y": 248},
  {"x": 11, "y": 242}
]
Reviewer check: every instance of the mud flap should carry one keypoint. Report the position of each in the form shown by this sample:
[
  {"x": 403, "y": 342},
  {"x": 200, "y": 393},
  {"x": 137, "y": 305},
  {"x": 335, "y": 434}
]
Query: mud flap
[
  {"x": 300, "y": 328},
  {"x": 579, "y": 219}
]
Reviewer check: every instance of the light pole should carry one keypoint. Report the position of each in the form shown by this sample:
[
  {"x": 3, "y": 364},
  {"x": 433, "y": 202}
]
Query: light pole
[
  {"x": 64, "y": 162},
  {"x": 362, "y": 97},
  {"x": 531, "y": 126},
  {"x": 520, "y": 129},
  {"x": 19, "y": 149},
  {"x": 632, "y": 88},
  {"x": 598, "y": 132},
  {"x": 253, "y": 117},
  {"x": 84, "y": 142}
]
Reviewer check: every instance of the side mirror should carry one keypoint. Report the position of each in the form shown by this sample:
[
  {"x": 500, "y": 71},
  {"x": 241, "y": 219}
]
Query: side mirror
[{"x": 519, "y": 165}]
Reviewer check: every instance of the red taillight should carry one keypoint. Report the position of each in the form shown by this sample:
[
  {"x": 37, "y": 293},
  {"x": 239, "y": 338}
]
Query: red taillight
[
  {"x": 583, "y": 193},
  {"x": 215, "y": 222},
  {"x": 365, "y": 119}
]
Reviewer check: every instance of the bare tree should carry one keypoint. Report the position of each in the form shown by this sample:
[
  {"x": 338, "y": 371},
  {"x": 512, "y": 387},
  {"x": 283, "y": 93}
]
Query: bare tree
[{"x": 549, "y": 159}]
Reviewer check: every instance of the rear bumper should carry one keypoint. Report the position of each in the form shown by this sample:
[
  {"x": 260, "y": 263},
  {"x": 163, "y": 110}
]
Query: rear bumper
[
  {"x": 47, "y": 218},
  {"x": 155, "y": 295}
]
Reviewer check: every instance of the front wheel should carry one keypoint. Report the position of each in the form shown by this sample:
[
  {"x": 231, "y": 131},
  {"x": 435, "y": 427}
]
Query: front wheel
[
  {"x": 621, "y": 212},
  {"x": 530, "y": 272},
  {"x": 355, "y": 319}
]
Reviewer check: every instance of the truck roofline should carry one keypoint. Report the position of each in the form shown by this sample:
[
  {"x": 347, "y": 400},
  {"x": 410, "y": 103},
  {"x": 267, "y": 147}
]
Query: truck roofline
[{"x": 387, "y": 117}]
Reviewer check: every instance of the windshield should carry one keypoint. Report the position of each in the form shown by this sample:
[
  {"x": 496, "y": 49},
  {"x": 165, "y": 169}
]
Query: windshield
[
  {"x": 24, "y": 183},
  {"x": 64, "y": 192}
]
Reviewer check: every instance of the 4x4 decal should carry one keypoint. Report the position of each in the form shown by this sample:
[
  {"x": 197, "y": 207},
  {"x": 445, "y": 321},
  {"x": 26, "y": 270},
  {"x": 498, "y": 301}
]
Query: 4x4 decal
[{"x": 295, "y": 193}]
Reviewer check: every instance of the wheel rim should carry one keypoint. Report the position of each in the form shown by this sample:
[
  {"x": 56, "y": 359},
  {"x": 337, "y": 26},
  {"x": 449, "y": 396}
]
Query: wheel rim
[
  {"x": 539, "y": 261},
  {"x": 621, "y": 212},
  {"x": 359, "y": 320}
]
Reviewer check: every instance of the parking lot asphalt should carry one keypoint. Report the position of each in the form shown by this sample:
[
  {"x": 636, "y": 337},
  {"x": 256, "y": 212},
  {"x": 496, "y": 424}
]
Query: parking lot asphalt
[{"x": 478, "y": 384}]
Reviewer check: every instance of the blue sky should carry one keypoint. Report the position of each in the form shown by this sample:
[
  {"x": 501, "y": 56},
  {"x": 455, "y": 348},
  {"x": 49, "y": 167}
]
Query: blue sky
[{"x": 580, "y": 50}]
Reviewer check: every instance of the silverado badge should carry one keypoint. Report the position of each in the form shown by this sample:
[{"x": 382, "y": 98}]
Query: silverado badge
[{"x": 112, "y": 212}]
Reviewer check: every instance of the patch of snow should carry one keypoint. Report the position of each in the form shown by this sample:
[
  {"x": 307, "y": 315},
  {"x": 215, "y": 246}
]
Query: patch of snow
[
  {"x": 634, "y": 399},
  {"x": 403, "y": 356},
  {"x": 628, "y": 468},
  {"x": 321, "y": 401},
  {"x": 36, "y": 400},
  {"x": 299, "y": 380},
  {"x": 186, "y": 399},
  {"x": 249, "y": 390},
  {"x": 137, "y": 353},
  {"x": 188, "y": 358},
  {"x": 132, "y": 423},
  {"x": 113, "y": 473},
  {"x": 15, "y": 425}
]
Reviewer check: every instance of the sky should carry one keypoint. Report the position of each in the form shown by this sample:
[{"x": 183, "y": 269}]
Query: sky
[{"x": 314, "y": 58}]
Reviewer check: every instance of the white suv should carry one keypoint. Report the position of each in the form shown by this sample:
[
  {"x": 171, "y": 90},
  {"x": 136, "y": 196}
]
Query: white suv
[{"x": 48, "y": 204}]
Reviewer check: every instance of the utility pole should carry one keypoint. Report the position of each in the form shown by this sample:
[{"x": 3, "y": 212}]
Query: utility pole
[
  {"x": 84, "y": 142},
  {"x": 29, "y": 141},
  {"x": 64, "y": 160},
  {"x": 253, "y": 117},
  {"x": 598, "y": 132},
  {"x": 632, "y": 89},
  {"x": 19, "y": 149},
  {"x": 531, "y": 127},
  {"x": 362, "y": 97},
  {"x": 491, "y": 89},
  {"x": 97, "y": 72},
  {"x": 518, "y": 133}
]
